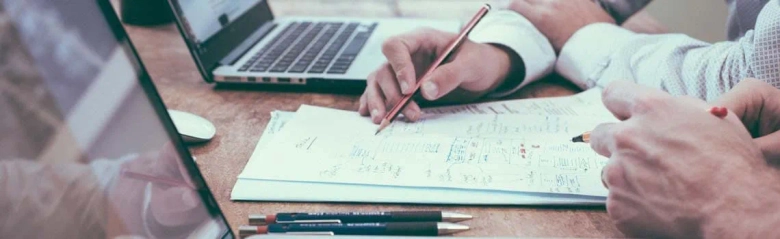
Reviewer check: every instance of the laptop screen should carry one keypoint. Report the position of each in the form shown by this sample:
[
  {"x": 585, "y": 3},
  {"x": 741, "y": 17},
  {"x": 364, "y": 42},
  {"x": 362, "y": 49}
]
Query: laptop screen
[
  {"x": 204, "y": 18},
  {"x": 85, "y": 151}
]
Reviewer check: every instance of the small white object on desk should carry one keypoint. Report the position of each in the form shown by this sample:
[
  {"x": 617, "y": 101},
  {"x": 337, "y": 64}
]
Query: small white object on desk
[{"x": 192, "y": 128}]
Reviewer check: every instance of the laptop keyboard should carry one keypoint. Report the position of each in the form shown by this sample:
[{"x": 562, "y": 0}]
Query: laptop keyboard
[{"x": 299, "y": 48}]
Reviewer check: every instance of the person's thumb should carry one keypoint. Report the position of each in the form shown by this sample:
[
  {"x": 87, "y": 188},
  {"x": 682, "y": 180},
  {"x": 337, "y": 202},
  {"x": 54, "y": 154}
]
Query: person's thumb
[
  {"x": 770, "y": 147},
  {"x": 443, "y": 80}
]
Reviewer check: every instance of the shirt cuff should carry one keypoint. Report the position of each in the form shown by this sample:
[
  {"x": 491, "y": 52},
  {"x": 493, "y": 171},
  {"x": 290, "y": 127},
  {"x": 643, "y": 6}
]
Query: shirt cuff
[
  {"x": 512, "y": 30},
  {"x": 588, "y": 52}
]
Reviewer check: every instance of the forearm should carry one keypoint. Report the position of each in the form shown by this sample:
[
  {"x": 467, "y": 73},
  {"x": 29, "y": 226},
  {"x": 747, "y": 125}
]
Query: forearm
[
  {"x": 505, "y": 59},
  {"x": 678, "y": 64},
  {"x": 621, "y": 10},
  {"x": 600, "y": 53},
  {"x": 532, "y": 56},
  {"x": 752, "y": 214}
]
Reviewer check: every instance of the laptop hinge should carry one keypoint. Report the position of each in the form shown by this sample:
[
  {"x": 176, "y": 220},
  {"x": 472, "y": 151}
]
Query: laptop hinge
[{"x": 247, "y": 44}]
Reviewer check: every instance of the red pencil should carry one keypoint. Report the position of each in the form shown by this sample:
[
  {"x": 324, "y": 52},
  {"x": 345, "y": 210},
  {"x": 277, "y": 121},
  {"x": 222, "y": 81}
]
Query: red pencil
[{"x": 393, "y": 113}]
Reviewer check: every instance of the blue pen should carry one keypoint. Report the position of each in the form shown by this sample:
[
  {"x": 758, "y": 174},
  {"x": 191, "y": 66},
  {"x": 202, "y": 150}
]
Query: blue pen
[{"x": 372, "y": 228}]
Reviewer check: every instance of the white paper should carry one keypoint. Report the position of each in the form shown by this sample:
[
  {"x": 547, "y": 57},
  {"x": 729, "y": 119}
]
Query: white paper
[
  {"x": 521, "y": 153},
  {"x": 275, "y": 124},
  {"x": 587, "y": 103},
  {"x": 287, "y": 191}
]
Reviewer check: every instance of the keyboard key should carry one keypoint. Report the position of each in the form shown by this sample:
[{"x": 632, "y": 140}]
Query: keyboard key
[
  {"x": 339, "y": 67},
  {"x": 354, "y": 47},
  {"x": 262, "y": 65},
  {"x": 316, "y": 70},
  {"x": 346, "y": 57},
  {"x": 297, "y": 69},
  {"x": 258, "y": 69},
  {"x": 337, "y": 71},
  {"x": 298, "y": 48},
  {"x": 278, "y": 69}
]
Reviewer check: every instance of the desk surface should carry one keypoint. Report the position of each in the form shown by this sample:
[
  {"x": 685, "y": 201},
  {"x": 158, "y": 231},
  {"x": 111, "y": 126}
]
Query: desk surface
[{"x": 241, "y": 116}]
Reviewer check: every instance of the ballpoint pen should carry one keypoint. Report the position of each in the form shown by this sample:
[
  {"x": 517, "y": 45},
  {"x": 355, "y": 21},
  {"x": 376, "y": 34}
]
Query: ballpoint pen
[
  {"x": 393, "y": 113},
  {"x": 375, "y": 228},
  {"x": 354, "y": 217}
]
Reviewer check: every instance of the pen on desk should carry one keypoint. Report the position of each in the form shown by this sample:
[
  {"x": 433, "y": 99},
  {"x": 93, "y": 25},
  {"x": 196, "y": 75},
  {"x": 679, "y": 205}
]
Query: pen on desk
[
  {"x": 393, "y": 113},
  {"x": 374, "y": 228},
  {"x": 355, "y": 217},
  {"x": 720, "y": 112}
]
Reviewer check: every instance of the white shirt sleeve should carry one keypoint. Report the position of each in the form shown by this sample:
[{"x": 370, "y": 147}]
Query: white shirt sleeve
[
  {"x": 588, "y": 52},
  {"x": 512, "y": 30},
  {"x": 601, "y": 53}
]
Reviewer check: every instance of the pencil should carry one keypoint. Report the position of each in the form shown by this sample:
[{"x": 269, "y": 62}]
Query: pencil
[
  {"x": 583, "y": 138},
  {"x": 393, "y": 113},
  {"x": 155, "y": 179},
  {"x": 719, "y": 112}
]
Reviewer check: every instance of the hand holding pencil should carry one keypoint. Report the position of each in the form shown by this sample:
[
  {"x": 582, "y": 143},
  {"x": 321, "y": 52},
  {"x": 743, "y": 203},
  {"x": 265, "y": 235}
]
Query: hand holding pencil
[
  {"x": 717, "y": 111},
  {"x": 471, "y": 71},
  {"x": 450, "y": 50},
  {"x": 673, "y": 157}
]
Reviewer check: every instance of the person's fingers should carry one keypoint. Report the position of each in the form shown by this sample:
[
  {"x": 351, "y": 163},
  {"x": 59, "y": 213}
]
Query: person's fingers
[
  {"x": 603, "y": 178},
  {"x": 386, "y": 81},
  {"x": 444, "y": 79},
  {"x": 613, "y": 174},
  {"x": 389, "y": 86},
  {"x": 602, "y": 140},
  {"x": 362, "y": 107},
  {"x": 523, "y": 7},
  {"x": 743, "y": 101},
  {"x": 625, "y": 98},
  {"x": 375, "y": 101},
  {"x": 399, "y": 50},
  {"x": 770, "y": 146},
  {"x": 756, "y": 105},
  {"x": 412, "y": 111}
]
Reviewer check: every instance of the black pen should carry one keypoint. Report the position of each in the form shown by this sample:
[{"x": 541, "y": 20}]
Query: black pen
[
  {"x": 352, "y": 217},
  {"x": 368, "y": 228}
]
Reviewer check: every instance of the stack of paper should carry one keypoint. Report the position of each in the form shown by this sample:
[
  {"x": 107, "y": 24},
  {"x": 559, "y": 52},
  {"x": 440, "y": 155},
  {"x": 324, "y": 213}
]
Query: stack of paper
[{"x": 508, "y": 152}]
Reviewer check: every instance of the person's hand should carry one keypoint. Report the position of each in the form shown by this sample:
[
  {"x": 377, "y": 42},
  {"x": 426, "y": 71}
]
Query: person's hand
[
  {"x": 677, "y": 171},
  {"x": 757, "y": 104},
  {"x": 473, "y": 71},
  {"x": 558, "y": 20},
  {"x": 174, "y": 207}
]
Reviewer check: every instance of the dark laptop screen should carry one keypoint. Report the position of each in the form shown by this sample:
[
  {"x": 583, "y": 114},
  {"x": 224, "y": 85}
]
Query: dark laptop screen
[
  {"x": 217, "y": 32},
  {"x": 204, "y": 18},
  {"x": 84, "y": 150}
]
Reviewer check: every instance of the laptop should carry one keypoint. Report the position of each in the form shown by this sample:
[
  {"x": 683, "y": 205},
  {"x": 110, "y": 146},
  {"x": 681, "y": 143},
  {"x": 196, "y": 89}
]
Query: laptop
[
  {"x": 242, "y": 42},
  {"x": 87, "y": 149}
]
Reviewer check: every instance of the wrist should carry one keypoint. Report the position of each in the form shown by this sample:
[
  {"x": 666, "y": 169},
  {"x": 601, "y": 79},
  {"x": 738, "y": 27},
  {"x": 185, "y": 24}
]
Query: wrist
[
  {"x": 749, "y": 215},
  {"x": 511, "y": 70},
  {"x": 559, "y": 43}
]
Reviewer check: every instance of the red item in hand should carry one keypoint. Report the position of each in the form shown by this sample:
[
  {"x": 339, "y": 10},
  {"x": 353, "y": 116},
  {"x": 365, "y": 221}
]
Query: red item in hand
[{"x": 720, "y": 112}]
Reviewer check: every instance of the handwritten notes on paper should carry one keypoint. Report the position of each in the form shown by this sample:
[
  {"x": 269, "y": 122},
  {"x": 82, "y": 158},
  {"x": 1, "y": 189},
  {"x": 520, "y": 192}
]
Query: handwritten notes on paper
[
  {"x": 527, "y": 152},
  {"x": 587, "y": 103}
]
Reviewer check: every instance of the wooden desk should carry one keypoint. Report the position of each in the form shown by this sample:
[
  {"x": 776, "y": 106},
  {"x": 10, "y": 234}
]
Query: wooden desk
[{"x": 241, "y": 116}]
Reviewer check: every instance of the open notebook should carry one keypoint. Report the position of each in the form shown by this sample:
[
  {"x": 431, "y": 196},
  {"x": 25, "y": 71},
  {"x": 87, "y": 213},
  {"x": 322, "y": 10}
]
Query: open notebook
[{"x": 508, "y": 152}]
